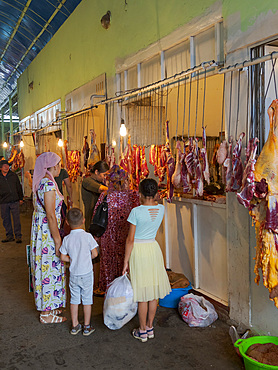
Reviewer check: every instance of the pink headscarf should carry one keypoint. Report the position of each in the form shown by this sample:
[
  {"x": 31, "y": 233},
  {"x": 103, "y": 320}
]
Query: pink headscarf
[{"x": 43, "y": 162}]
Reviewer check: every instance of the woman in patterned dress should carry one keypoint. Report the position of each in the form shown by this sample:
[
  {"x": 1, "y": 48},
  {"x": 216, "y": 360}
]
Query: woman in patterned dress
[
  {"x": 120, "y": 200},
  {"x": 48, "y": 272}
]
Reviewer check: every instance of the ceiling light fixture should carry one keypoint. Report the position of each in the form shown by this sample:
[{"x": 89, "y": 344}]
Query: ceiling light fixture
[{"x": 123, "y": 128}]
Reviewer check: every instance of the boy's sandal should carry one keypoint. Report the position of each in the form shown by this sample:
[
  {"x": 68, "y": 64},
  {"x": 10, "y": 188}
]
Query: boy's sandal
[
  {"x": 99, "y": 293},
  {"x": 143, "y": 337},
  {"x": 88, "y": 330},
  {"x": 53, "y": 319},
  {"x": 76, "y": 329},
  {"x": 150, "y": 333}
]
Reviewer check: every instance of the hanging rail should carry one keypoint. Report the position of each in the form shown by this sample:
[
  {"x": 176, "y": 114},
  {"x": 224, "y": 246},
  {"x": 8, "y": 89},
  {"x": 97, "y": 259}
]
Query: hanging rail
[
  {"x": 167, "y": 81},
  {"x": 247, "y": 63}
]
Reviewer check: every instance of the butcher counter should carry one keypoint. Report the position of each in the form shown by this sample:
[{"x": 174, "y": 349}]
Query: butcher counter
[{"x": 193, "y": 241}]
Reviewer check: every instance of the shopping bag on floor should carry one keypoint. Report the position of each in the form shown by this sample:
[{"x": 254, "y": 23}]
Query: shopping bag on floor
[
  {"x": 119, "y": 308},
  {"x": 196, "y": 310}
]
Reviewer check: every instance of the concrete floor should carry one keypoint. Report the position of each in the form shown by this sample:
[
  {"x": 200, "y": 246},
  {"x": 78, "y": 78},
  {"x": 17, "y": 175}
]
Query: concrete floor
[{"x": 27, "y": 344}]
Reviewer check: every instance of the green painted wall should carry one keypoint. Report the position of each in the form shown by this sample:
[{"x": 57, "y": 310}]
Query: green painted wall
[
  {"x": 249, "y": 10},
  {"x": 82, "y": 50}
]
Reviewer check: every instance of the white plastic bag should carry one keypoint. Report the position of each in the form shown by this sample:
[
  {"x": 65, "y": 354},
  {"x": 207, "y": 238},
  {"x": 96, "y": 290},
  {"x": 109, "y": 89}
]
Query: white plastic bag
[
  {"x": 119, "y": 308},
  {"x": 196, "y": 310}
]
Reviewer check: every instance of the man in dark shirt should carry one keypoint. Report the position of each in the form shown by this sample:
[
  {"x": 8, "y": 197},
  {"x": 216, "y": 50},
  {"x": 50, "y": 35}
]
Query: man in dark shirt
[{"x": 11, "y": 196}]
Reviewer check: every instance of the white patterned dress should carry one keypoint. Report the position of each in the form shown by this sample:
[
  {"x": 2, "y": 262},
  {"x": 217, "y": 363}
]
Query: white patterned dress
[{"x": 48, "y": 272}]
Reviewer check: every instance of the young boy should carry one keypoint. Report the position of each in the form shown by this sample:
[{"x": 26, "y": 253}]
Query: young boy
[{"x": 78, "y": 248}]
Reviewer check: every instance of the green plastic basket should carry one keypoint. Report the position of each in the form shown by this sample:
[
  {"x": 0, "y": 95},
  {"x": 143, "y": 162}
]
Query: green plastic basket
[{"x": 244, "y": 344}]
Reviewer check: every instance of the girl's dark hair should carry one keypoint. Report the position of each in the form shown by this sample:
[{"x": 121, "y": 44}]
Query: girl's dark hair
[
  {"x": 148, "y": 187},
  {"x": 101, "y": 166}
]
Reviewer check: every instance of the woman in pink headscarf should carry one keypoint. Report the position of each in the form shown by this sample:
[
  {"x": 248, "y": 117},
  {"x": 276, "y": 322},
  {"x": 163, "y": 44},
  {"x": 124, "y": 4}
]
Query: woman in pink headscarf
[
  {"x": 120, "y": 200},
  {"x": 48, "y": 272}
]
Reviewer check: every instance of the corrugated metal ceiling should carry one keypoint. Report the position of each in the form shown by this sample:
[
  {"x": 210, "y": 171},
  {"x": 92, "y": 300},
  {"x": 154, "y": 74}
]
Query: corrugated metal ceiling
[{"x": 26, "y": 26}]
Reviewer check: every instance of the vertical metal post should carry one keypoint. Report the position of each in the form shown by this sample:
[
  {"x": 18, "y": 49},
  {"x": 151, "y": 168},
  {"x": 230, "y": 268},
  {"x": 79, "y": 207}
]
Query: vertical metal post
[
  {"x": 139, "y": 81},
  {"x": 162, "y": 64},
  {"x": 118, "y": 88},
  {"x": 196, "y": 247},
  {"x": 3, "y": 131},
  {"x": 126, "y": 79},
  {"x": 106, "y": 114},
  {"x": 218, "y": 43},
  {"x": 192, "y": 52},
  {"x": 11, "y": 121}
]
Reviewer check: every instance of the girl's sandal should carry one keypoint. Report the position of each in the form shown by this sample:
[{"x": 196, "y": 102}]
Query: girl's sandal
[
  {"x": 51, "y": 319},
  {"x": 150, "y": 333},
  {"x": 143, "y": 337}
]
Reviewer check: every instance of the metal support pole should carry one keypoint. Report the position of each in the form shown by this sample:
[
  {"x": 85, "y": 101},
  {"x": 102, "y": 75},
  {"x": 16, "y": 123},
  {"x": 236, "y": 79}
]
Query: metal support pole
[
  {"x": 3, "y": 131},
  {"x": 11, "y": 121}
]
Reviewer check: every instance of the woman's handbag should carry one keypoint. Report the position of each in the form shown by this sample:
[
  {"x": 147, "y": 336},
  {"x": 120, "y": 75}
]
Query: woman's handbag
[{"x": 100, "y": 219}]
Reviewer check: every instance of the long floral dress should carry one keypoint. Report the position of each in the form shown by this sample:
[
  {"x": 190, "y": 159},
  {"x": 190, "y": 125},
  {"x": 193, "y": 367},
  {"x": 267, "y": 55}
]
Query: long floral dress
[
  {"x": 112, "y": 242},
  {"x": 48, "y": 272}
]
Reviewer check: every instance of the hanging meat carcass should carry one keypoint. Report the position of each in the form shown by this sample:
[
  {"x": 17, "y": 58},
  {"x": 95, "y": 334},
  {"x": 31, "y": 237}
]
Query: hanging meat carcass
[
  {"x": 185, "y": 178},
  {"x": 176, "y": 178},
  {"x": 228, "y": 166},
  {"x": 248, "y": 179},
  {"x": 198, "y": 172},
  {"x": 94, "y": 154},
  {"x": 136, "y": 166},
  {"x": 86, "y": 151},
  {"x": 205, "y": 164},
  {"x": 265, "y": 210},
  {"x": 73, "y": 165},
  {"x": 222, "y": 152},
  {"x": 152, "y": 155},
  {"x": 144, "y": 167},
  {"x": 170, "y": 166},
  {"x": 126, "y": 161},
  {"x": 237, "y": 165}
]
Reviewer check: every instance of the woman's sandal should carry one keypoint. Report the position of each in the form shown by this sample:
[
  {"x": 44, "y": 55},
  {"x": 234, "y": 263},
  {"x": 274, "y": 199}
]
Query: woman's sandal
[
  {"x": 55, "y": 312},
  {"x": 53, "y": 319},
  {"x": 150, "y": 333},
  {"x": 143, "y": 337}
]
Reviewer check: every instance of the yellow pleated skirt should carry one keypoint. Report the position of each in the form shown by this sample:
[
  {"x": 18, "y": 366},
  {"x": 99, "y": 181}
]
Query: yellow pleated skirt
[{"x": 147, "y": 272}]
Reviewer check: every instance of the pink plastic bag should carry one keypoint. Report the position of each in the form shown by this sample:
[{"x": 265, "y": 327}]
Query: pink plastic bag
[{"x": 196, "y": 311}]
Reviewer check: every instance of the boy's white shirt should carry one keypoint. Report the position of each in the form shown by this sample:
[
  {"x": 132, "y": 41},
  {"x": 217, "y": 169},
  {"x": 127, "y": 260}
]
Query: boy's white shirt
[{"x": 78, "y": 246}]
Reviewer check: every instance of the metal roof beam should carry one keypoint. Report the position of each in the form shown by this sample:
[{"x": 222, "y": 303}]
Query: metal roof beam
[
  {"x": 35, "y": 40},
  {"x": 15, "y": 29}
]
